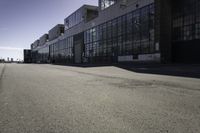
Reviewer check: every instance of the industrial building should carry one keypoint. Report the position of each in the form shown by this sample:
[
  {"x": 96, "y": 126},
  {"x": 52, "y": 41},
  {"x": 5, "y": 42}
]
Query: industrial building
[
  {"x": 163, "y": 31},
  {"x": 27, "y": 56}
]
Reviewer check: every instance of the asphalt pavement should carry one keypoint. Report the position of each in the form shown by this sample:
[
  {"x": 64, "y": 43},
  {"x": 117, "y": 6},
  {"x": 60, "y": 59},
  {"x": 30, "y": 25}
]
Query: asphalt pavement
[{"x": 65, "y": 99}]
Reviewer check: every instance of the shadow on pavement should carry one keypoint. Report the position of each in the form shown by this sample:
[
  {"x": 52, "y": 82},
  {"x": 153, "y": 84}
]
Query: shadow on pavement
[{"x": 181, "y": 70}]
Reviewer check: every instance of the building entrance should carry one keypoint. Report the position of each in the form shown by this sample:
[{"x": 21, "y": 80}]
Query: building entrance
[
  {"x": 186, "y": 31},
  {"x": 78, "y": 47}
]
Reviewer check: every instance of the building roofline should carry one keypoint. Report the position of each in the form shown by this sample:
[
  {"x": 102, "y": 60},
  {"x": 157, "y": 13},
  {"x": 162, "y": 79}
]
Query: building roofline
[
  {"x": 83, "y": 6},
  {"x": 57, "y": 26}
]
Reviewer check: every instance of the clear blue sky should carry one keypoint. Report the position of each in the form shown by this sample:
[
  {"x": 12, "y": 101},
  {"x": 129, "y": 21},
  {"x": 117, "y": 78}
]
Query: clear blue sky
[{"x": 24, "y": 21}]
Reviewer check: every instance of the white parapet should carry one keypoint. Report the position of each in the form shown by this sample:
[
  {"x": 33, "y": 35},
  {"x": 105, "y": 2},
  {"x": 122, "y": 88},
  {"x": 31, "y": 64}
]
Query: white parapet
[
  {"x": 141, "y": 57},
  {"x": 149, "y": 57}
]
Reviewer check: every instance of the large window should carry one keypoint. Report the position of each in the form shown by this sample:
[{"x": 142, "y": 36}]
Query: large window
[
  {"x": 130, "y": 34},
  {"x": 73, "y": 19},
  {"x": 186, "y": 20},
  {"x": 106, "y": 3},
  {"x": 43, "y": 54},
  {"x": 62, "y": 51}
]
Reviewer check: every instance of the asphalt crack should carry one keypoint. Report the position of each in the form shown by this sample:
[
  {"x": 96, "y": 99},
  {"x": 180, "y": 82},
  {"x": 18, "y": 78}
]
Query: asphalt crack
[
  {"x": 1, "y": 76},
  {"x": 3, "y": 71}
]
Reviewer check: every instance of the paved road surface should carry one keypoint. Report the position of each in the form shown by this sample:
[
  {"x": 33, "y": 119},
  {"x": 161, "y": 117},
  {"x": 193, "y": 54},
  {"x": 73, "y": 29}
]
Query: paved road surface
[{"x": 60, "y": 99}]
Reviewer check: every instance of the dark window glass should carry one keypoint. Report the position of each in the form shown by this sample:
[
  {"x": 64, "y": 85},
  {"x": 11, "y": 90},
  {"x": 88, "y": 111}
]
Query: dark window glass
[
  {"x": 114, "y": 28},
  {"x": 130, "y": 34},
  {"x": 185, "y": 20}
]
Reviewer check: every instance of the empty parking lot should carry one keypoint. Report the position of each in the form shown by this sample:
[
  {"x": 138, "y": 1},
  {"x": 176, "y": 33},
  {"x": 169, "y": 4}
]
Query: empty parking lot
[{"x": 65, "y": 99}]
